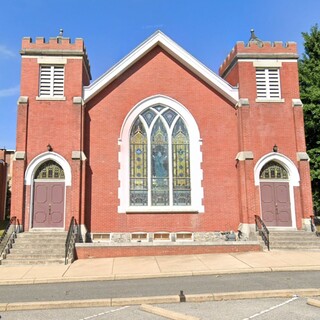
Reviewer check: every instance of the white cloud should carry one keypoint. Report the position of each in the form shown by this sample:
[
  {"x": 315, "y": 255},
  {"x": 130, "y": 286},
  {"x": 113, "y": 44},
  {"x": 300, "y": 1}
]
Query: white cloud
[
  {"x": 5, "y": 52},
  {"x": 9, "y": 92}
]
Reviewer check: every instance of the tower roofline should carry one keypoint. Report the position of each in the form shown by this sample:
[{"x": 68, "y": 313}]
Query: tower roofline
[{"x": 258, "y": 50}]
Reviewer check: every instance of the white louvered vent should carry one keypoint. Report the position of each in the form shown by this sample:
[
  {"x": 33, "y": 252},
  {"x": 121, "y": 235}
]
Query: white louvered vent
[
  {"x": 51, "y": 81},
  {"x": 268, "y": 83}
]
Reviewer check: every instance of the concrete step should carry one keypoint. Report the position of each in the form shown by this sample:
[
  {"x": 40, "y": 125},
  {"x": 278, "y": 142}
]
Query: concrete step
[
  {"x": 41, "y": 236},
  {"x": 37, "y": 248},
  {"x": 291, "y": 240},
  {"x": 32, "y": 256},
  {"x": 43, "y": 242},
  {"x": 306, "y": 235},
  {"x": 19, "y": 250},
  {"x": 32, "y": 262},
  {"x": 295, "y": 247},
  {"x": 294, "y": 240}
]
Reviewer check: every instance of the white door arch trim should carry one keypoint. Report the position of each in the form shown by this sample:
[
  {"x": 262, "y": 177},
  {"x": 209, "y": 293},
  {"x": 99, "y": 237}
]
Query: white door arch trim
[
  {"x": 43, "y": 157},
  {"x": 292, "y": 170},
  {"x": 294, "y": 178}
]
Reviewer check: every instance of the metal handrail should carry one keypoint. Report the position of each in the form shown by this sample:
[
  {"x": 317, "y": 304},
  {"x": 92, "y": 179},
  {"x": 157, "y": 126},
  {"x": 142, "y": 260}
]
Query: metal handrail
[
  {"x": 71, "y": 240},
  {"x": 312, "y": 223},
  {"x": 263, "y": 231},
  {"x": 8, "y": 235}
]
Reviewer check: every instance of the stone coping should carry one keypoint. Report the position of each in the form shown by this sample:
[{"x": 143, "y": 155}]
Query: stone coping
[{"x": 166, "y": 243}]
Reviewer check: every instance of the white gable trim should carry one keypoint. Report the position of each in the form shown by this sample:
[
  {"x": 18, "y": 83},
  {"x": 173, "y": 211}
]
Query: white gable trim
[{"x": 159, "y": 38}]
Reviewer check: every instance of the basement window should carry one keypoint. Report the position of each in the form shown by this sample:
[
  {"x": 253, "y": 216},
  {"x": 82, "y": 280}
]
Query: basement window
[
  {"x": 139, "y": 236},
  {"x": 184, "y": 236},
  {"x": 101, "y": 237},
  {"x": 161, "y": 236}
]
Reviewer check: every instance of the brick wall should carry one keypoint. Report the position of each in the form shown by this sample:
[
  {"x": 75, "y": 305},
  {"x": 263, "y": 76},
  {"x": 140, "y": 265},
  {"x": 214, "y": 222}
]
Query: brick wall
[
  {"x": 158, "y": 73},
  {"x": 230, "y": 195},
  {"x": 83, "y": 252}
]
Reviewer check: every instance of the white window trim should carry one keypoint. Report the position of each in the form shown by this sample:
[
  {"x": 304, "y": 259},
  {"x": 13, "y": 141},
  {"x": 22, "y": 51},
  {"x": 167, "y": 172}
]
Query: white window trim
[
  {"x": 267, "y": 64},
  {"x": 52, "y": 63},
  {"x": 52, "y": 60},
  {"x": 267, "y": 82},
  {"x": 195, "y": 159},
  {"x": 276, "y": 100}
]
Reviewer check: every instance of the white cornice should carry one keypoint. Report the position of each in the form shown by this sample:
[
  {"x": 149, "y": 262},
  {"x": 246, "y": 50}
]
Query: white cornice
[{"x": 159, "y": 38}]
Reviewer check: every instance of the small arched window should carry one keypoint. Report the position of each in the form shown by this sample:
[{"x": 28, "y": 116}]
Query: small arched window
[
  {"x": 159, "y": 159},
  {"x": 49, "y": 170},
  {"x": 273, "y": 170}
]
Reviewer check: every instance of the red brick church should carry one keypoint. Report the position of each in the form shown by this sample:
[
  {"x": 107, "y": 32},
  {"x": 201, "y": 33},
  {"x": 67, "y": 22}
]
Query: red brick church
[{"x": 159, "y": 147}]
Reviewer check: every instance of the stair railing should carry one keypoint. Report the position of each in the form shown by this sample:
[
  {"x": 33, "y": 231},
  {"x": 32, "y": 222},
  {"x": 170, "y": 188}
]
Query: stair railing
[
  {"x": 315, "y": 224},
  {"x": 263, "y": 231},
  {"x": 8, "y": 237},
  {"x": 71, "y": 241},
  {"x": 312, "y": 224}
]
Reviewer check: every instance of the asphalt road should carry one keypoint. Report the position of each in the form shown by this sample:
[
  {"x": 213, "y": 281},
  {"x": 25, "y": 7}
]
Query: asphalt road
[
  {"x": 159, "y": 286},
  {"x": 294, "y": 308}
]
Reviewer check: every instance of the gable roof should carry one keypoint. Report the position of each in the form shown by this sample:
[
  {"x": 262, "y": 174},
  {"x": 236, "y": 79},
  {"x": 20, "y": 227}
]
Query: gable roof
[{"x": 185, "y": 58}]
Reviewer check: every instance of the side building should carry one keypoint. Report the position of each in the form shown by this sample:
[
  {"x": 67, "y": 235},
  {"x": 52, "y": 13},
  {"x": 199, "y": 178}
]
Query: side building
[{"x": 6, "y": 158}]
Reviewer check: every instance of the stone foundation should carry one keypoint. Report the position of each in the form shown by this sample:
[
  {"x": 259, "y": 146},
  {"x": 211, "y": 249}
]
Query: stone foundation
[{"x": 167, "y": 237}]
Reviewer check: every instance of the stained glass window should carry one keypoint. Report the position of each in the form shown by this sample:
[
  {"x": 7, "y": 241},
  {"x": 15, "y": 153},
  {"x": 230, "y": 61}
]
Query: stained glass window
[
  {"x": 273, "y": 170},
  {"x": 160, "y": 172},
  {"x": 159, "y": 159},
  {"x": 181, "y": 165},
  {"x": 49, "y": 170},
  {"x": 138, "y": 165}
]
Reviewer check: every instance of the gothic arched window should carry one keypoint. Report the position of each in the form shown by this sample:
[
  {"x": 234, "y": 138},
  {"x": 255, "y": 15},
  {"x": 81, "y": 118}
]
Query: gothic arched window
[
  {"x": 49, "y": 170},
  {"x": 273, "y": 170},
  {"x": 159, "y": 159}
]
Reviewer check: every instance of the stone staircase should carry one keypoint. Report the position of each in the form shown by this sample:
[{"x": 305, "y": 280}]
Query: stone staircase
[
  {"x": 37, "y": 247},
  {"x": 293, "y": 240}
]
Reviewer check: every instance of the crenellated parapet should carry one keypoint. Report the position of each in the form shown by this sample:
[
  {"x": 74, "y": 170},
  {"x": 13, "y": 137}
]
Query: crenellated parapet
[
  {"x": 56, "y": 46},
  {"x": 258, "y": 50}
]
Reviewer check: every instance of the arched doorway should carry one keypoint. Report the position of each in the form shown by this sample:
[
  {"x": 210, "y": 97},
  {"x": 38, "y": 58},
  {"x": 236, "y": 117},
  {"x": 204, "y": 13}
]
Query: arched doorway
[
  {"x": 275, "y": 195},
  {"x": 48, "y": 196}
]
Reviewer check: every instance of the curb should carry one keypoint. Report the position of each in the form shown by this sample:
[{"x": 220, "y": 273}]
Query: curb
[
  {"x": 19, "y": 306},
  {"x": 154, "y": 276}
]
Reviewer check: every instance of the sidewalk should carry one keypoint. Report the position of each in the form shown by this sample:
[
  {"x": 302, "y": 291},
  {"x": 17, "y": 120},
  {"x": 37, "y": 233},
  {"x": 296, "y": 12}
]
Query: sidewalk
[{"x": 161, "y": 266}]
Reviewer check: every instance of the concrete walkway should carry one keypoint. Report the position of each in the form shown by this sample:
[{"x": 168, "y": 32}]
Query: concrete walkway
[{"x": 162, "y": 266}]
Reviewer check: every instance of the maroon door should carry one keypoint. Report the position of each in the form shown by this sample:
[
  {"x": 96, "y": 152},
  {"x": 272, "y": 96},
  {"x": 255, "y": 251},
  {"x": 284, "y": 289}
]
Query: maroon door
[
  {"x": 48, "y": 205},
  {"x": 275, "y": 204}
]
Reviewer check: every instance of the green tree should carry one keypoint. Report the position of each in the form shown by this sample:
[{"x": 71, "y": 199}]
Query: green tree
[{"x": 309, "y": 78}]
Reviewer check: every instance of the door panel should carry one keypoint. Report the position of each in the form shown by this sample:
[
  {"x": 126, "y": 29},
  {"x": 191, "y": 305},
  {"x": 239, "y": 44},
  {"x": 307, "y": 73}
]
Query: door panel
[
  {"x": 48, "y": 208},
  {"x": 275, "y": 204},
  {"x": 282, "y": 204},
  {"x": 267, "y": 203}
]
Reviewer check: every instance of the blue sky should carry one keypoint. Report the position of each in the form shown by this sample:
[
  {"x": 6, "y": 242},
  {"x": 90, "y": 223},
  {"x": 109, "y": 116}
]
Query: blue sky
[{"x": 208, "y": 29}]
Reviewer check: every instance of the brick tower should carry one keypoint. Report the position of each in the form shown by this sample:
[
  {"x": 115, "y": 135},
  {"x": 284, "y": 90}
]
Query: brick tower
[
  {"x": 271, "y": 128},
  {"x": 49, "y": 133}
]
